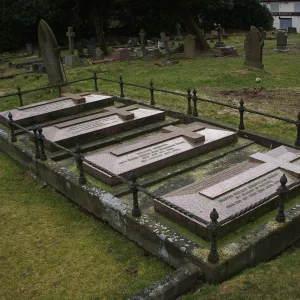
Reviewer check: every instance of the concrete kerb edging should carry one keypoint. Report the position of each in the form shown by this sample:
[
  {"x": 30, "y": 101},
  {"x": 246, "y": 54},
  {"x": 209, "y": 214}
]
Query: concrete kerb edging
[{"x": 259, "y": 245}]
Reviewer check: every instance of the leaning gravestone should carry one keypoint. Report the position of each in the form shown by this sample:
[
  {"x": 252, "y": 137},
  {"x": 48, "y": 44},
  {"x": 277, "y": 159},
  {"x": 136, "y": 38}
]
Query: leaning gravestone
[
  {"x": 88, "y": 128},
  {"x": 68, "y": 104},
  {"x": 235, "y": 192},
  {"x": 51, "y": 54},
  {"x": 147, "y": 155},
  {"x": 71, "y": 59},
  {"x": 253, "y": 46},
  {"x": 189, "y": 46},
  {"x": 282, "y": 42}
]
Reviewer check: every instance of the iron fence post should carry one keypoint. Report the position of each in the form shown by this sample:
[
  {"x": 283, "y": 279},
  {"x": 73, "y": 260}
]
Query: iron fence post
[
  {"x": 297, "y": 143},
  {"x": 41, "y": 139},
  {"x": 20, "y": 95},
  {"x": 283, "y": 192},
  {"x": 79, "y": 159},
  {"x": 195, "y": 98},
  {"x": 189, "y": 99},
  {"x": 95, "y": 81},
  {"x": 136, "y": 212},
  {"x": 12, "y": 131},
  {"x": 213, "y": 256},
  {"x": 151, "y": 88},
  {"x": 241, "y": 111},
  {"x": 121, "y": 87}
]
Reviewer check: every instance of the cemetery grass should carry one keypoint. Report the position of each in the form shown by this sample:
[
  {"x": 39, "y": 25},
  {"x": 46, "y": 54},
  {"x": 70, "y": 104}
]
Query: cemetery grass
[{"x": 50, "y": 249}]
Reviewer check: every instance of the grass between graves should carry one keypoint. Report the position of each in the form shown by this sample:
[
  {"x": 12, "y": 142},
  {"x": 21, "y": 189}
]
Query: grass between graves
[{"x": 50, "y": 249}]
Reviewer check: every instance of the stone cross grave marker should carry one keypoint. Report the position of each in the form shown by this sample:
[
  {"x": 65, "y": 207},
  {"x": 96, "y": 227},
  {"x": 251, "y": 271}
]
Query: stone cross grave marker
[
  {"x": 150, "y": 154},
  {"x": 234, "y": 191},
  {"x": 68, "y": 104},
  {"x": 166, "y": 45},
  {"x": 178, "y": 33},
  {"x": 253, "y": 46},
  {"x": 219, "y": 43},
  {"x": 71, "y": 59},
  {"x": 51, "y": 54},
  {"x": 282, "y": 41},
  {"x": 189, "y": 46},
  {"x": 142, "y": 41},
  {"x": 111, "y": 121}
]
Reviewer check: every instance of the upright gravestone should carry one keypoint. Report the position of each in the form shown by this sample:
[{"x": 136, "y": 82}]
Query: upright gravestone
[
  {"x": 263, "y": 33},
  {"x": 282, "y": 41},
  {"x": 71, "y": 60},
  {"x": 219, "y": 43},
  {"x": 292, "y": 30},
  {"x": 178, "y": 33},
  {"x": 189, "y": 46},
  {"x": 51, "y": 54},
  {"x": 98, "y": 54},
  {"x": 166, "y": 45},
  {"x": 79, "y": 48},
  {"x": 91, "y": 50},
  {"x": 29, "y": 49},
  {"x": 253, "y": 46},
  {"x": 142, "y": 42}
]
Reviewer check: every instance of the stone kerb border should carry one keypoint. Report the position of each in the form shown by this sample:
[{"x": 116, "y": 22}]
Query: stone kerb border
[{"x": 259, "y": 245}]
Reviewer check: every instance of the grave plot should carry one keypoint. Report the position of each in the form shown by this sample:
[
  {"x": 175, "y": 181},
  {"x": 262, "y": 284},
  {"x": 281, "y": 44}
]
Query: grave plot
[
  {"x": 99, "y": 125},
  {"x": 236, "y": 193},
  {"x": 147, "y": 155},
  {"x": 69, "y": 104}
]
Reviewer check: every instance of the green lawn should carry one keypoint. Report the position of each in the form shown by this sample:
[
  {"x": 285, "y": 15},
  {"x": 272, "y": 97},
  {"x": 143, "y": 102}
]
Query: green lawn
[{"x": 50, "y": 249}]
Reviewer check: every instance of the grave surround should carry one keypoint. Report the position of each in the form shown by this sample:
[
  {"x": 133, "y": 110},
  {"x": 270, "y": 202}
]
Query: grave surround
[
  {"x": 99, "y": 125},
  {"x": 67, "y": 105},
  {"x": 233, "y": 192},
  {"x": 147, "y": 155}
]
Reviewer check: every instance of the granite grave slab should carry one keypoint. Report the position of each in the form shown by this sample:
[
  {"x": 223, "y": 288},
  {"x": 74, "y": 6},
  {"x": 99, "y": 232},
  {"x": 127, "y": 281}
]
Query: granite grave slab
[
  {"x": 99, "y": 125},
  {"x": 146, "y": 155},
  {"x": 235, "y": 192},
  {"x": 67, "y": 105}
]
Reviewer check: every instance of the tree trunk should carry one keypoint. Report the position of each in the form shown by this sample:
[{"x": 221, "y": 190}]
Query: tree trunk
[
  {"x": 194, "y": 29},
  {"x": 97, "y": 20}
]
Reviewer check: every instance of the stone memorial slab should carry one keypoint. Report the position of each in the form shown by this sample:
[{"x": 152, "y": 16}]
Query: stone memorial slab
[
  {"x": 253, "y": 46},
  {"x": 282, "y": 42},
  {"x": 121, "y": 54},
  {"x": 112, "y": 121},
  {"x": 174, "y": 144},
  {"x": 234, "y": 192},
  {"x": 51, "y": 55},
  {"x": 189, "y": 46},
  {"x": 67, "y": 105}
]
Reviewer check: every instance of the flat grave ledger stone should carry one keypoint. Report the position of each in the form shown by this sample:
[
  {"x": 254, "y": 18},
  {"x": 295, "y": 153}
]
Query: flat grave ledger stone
[
  {"x": 67, "y": 105},
  {"x": 99, "y": 125},
  {"x": 253, "y": 46},
  {"x": 236, "y": 193},
  {"x": 146, "y": 155},
  {"x": 121, "y": 54}
]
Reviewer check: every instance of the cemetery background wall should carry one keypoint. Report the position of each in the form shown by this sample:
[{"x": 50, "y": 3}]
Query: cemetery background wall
[{"x": 285, "y": 14}]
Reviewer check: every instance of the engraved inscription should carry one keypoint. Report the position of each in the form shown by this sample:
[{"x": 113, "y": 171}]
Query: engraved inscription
[{"x": 45, "y": 108}]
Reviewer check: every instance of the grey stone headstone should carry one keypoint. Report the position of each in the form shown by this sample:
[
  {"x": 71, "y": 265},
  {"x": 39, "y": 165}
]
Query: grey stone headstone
[
  {"x": 189, "y": 46},
  {"x": 51, "y": 54},
  {"x": 282, "y": 41},
  {"x": 253, "y": 47},
  {"x": 164, "y": 39},
  {"x": 29, "y": 49},
  {"x": 219, "y": 43},
  {"x": 292, "y": 30},
  {"x": 98, "y": 54},
  {"x": 79, "y": 48},
  {"x": 91, "y": 50}
]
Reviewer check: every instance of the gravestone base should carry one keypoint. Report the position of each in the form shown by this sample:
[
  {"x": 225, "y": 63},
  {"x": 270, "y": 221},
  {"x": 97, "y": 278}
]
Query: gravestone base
[
  {"x": 254, "y": 64},
  {"x": 219, "y": 45},
  {"x": 72, "y": 61},
  {"x": 281, "y": 48}
]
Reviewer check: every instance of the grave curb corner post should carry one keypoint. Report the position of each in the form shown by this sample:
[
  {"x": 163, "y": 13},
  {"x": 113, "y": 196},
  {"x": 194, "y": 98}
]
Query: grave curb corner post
[
  {"x": 36, "y": 142},
  {"x": 95, "y": 81},
  {"x": 20, "y": 95},
  {"x": 213, "y": 256},
  {"x": 12, "y": 131},
  {"x": 41, "y": 139},
  {"x": 297, "y": 143},
  {"x": 121, "y": 86},
  {"x": 189, "y": 98},
  {"x": 282, "y": 191},
  {"x": 136, "y": 212},
  {"x": 195, "y": 98},
  {"x": 241, "y": 111},
  {"x": 79, "y": 159},
  {"x": 151, "y": 88}
]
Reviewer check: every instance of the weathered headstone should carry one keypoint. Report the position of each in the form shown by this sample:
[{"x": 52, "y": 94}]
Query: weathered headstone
[
  {"x": 253, "y": 46},
  {"x": 121, "y": 54},
  {"x": 166, "y": 45},
  {"x": 147, "y": 155},
  {"x": 99, "y": 54},
  {"x": 263, "y": 33},
  {"x": 112, "y": 121},
  {"x": 233, "y": 192},
  {"x": 91, "y": 50},
  {"x": 29, "y": 49},
  {"x": 219, "y": 43},
  {"x": 71, "y": 60},
  {"x": 189, "y": 46},
  {"x": 142, "y": 42},
  {"x": 79, "y": 48},
  {"x": 133, "y": 42},
  {"x": 51, "y": 54},
  {"x": 68, "y": 104},
  {"x": 178, "y": 33},
  {"x": 282, "y": 41}
]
